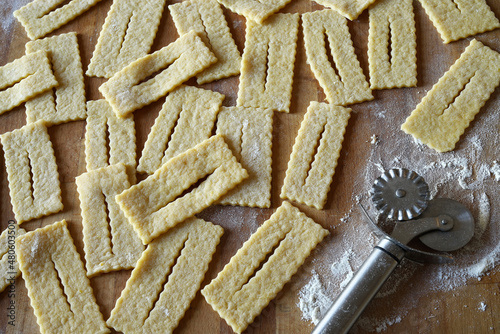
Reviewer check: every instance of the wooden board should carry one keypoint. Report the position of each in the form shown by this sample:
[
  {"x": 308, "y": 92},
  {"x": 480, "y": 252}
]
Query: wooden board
[{"x": 415, "y": 301}]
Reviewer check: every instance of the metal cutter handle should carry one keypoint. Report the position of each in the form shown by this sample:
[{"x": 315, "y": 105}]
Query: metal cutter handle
[{"x": 361, "y": 289}]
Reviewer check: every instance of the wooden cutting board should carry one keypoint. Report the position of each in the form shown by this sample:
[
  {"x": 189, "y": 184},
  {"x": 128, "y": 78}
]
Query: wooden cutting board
[{"x": 412, "y": 306}]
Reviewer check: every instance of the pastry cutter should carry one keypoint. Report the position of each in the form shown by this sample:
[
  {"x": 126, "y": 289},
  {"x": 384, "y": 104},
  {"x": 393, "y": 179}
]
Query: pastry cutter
[{"x": 441, "y": 224}]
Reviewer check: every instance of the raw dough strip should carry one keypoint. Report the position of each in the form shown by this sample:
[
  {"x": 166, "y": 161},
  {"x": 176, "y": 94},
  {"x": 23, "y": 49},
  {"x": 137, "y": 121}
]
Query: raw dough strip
[
  {"x": 9, "y": 268},
  {"x": 25, "y": 78},
  {"x": 69, "y": 102},
  {"x": 157, "y": 296},
  {"x": 457, "y": 19},
  {"x": 349, "y": 84},
  {"x": 109, "y": 241},
  {"x": 127, "y": 34},
  {"x": 315, "y": 154},
  {"x": 207, "y": 19},
  {"x": 32, "y": 172},
  {"x": 351, "y": 9},
  {"x": 102, "y": 126},
  {"x": 249, "y": 134},
  {"x": 59, "y": 290},
  {"x": 268, "y": 62},
  {"x": 392, "y": 27},
  {"x": 43, "y": 16},
  {"x": 185, "y": 120},
  {"x": 255, "y": 10},
  {"x": 174, "y": 63},
  {"x": 448, "y": 108},
  {"x": 239, "y": 299},
  {"x": 159, "y": 203}
]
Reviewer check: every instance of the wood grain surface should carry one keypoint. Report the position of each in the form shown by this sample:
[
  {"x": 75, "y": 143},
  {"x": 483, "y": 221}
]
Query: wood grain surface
[{"x": 413, "y": 305}]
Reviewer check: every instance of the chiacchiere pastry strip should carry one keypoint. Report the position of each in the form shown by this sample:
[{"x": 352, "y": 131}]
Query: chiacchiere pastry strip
[
  {"x": 206, "y": 18},
  {"x": 127, "y": 34},
  {"x": 267, "y": 63},
  {"x": 457, "y": 19},
  {"x": 392, "y": 45},
  {"x": 58, "y": 287},
  {"x": 9, "y": 268},
  {"x": 24, "y": 78},
  {"x": 255, "y": 10},
  {"x": 109, "y": 139},
  {"x": 241, "y": 290},
  {"x": 326, "y": 35},
  {"x": 110, "y": 242},
  {"x": 315, "y": 154},
  {"x": 348, "y": 8},
  {"x": 31, "y": 172},
  {"x": 166, "y": 279},
  {"x": 131, "y": 88},
  {"x": 448, "y": 108},
  {"x": 40, "y": 17},
  {"x": 186, "y": 119},
  {"x": 249, "y": 134},
  {"x": 180, "y": 188},
  {"x": 67, "y": 102}
]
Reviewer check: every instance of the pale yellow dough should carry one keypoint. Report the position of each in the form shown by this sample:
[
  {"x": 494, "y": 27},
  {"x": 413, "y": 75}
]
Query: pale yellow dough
[
  {"x": 58, "y": 287},
  {"x": 448, "y": 108},
  {"x": 158, "y": 293},
  {"x": 348, "y": 8},
  {"x": 157, "y": 204},
  {"x": 315, "y": 154},
  {"x": 239, "y": 300},
  {"x": 9, "y": 268},
  {"x": 255, "y": 10}
]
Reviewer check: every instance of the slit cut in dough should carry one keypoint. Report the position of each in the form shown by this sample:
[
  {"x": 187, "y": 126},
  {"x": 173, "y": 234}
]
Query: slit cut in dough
[
  {"x": 268, "y": 62},
  {"x": 67, "y": 103},
  {"x": 127, "y": 34},
  {"x": 186, "y": 119},
  {"x": 32, "y": 172},
  {"x": 343, "y": 81},
  {"x": 109, "y": 241},
  {"x": 166, "y": 279},
  {"x": 315, "y": 154},
  {"x": 173, "y": 64},
  {"x": 166, "y": 198},
  {"x": 58, "y": 287},
  {"x": 238, "y": 293},
  {"x": 448, "y": 108}
]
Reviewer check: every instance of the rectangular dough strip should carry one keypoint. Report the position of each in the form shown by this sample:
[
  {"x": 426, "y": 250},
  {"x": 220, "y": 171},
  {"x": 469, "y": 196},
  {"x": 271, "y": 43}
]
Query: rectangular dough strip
[
  {"x": 208, "y": 20},
  {"x": 109, "y": 241},
  {"x": 68, "y": 104},
  {"x": 24, "y": 78},
  {"x": 186, "y": 119},
  {"x": 166, "y": 279},
  {"x": 343, "y": 80},
  {"x": 448, "y": 108},
  {"x": 166, "y": 198},
  {"x": 315, "y": 154},
  {"x": 392, "y": 45},
  {"x": 32, "y": 172},
  {"x": 58, "y": 287},
  {"x": 9, "y": 267},
  {"x": 127, "y": 34},
  {"x": 255, "y": 10},
  {"x": 40, "y": 17},
  {"x": 268, "y": 62},
  {"x": 457, "y": 19},
  {"x": 103, "y": 126},
  {"x": 174, "y": 63},
  {"x": 351, "y": 9},
  {"x": 238, "y": 293},
  {"x": 249, "y": 134}
]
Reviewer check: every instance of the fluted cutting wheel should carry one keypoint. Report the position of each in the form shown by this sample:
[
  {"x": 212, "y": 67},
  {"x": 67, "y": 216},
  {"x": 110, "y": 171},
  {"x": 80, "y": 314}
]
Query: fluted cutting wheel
[{"x": 400, "y": 194}]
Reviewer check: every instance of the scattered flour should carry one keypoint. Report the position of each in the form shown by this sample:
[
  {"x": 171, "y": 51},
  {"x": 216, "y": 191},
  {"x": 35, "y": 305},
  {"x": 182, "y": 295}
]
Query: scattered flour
[
  {"x": 482, "y": 307},
  {"x": 313, "y": 300}
]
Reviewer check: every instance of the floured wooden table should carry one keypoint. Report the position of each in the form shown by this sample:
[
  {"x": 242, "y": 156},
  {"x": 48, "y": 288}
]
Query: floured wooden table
[{"x": 458, "y": 298}]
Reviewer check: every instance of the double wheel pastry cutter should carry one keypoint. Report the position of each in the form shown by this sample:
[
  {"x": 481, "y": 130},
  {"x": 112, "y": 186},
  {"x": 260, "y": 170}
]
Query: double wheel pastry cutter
[{"x": 402, "y": 197}]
